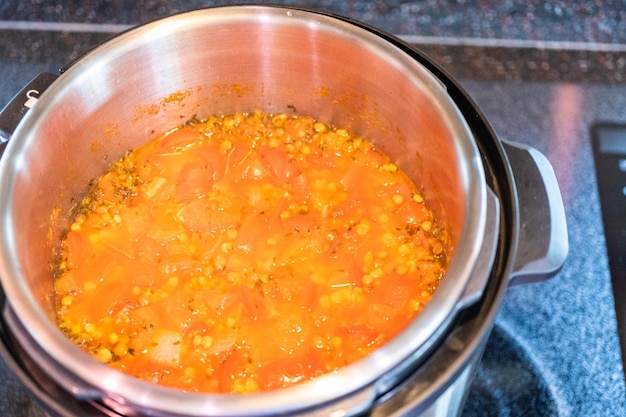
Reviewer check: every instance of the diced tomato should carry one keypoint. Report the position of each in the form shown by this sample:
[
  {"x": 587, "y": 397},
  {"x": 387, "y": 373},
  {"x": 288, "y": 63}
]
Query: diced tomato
[
  {"x": 254, "y": 170},
  {"x": 150, "y": 318},
  {"x": 278, "y": 162},
  {"x": 233, "y": 365},
  {"x": 210, "y": 301},
  {"x": 356, "y": 177},
  {"x": 372, "y": 158},
  {"x": 366, "y": 335},
  {"x": 194, "y": 180},
  {"x": 389, "y": 190},
  {"x": 150, "y": 252},
  {"x": 293, "y": 369},
  {"x": 214, "y": 158},
  {"x": 203, "y": 216},
  {"x": 136, "y": 221},
  {"x": 258, "y": 306},
  {"x": 68, "y": 283},
  {"x": 163, "y": 226},
  {"x": 111, "y": 293},
  {"x": 236, "y": 156},
  {"x": 179, "y": 138},
  {"x": 140, "y": 365},
  {"x": 412, "y": 212},
  {"x": 74, "y": 246},
  {"x": 352, "y": 208},
  {"x": 301, "y": 223},
  {"x": 300, "y": 187},
  {"x": 322, "y": 160},
  {"x": 395, "y": 291},
  {"x": 289, "y": 337},
  {"x": 258, "y": 227},
  {"x": 179, "y": 309},
  {"x": 116, "y": 238}
]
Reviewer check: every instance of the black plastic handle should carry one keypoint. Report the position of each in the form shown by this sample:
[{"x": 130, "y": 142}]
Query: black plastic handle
[{"x": 23, "y": 101}]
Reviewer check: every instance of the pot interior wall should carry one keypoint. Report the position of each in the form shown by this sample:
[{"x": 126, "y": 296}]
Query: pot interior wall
[{"x": 151, "y": 80}]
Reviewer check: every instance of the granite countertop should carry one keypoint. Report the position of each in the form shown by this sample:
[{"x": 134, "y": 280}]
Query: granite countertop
[{"x": 542, "y": 74}]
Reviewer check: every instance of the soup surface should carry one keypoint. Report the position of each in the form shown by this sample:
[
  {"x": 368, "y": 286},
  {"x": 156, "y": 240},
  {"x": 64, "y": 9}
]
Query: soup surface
[{"x": 246, "y": 253}]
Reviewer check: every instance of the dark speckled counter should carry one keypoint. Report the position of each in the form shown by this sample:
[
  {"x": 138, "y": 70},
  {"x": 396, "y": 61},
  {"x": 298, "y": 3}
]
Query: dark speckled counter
[{"x": 542, "y": 74}]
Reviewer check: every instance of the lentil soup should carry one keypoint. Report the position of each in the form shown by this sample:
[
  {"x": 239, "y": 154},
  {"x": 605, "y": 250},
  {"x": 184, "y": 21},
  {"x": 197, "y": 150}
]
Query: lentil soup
[{"x": 246, "y": 253}]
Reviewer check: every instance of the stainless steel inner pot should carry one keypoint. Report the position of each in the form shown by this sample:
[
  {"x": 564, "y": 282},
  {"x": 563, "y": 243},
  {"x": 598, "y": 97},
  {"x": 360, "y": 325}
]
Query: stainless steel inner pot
[{"x": 225, "y": 60}]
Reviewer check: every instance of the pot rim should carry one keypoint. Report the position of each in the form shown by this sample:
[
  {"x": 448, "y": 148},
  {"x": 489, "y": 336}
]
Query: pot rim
[{"x": 361, "y": 376}]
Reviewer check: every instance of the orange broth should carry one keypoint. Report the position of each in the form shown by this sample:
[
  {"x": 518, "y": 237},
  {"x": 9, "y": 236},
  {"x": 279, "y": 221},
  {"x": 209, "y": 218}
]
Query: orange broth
[{"x": 246, "y": 253}]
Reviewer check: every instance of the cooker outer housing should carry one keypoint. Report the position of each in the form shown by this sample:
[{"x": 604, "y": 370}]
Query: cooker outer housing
[{"x": 359, "y": 112}]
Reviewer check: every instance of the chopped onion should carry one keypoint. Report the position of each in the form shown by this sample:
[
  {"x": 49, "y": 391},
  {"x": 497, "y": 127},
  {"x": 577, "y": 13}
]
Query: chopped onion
[{"x": 166, "y": 348}]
